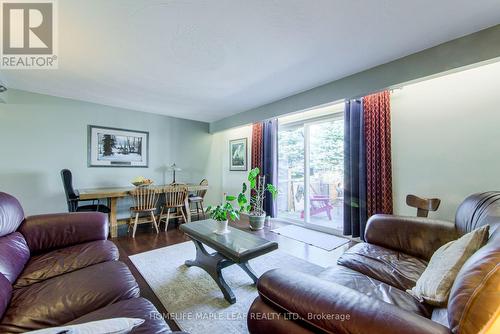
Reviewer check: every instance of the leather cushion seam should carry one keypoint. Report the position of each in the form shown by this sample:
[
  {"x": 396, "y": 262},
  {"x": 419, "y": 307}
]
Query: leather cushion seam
[
  {"x": 475, "y": 293},
  {"x": 383, "y": 262}
]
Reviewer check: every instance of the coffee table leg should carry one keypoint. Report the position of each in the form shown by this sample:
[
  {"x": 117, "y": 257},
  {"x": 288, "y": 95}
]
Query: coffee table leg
[
  {"x": 224, "y": 287},
  {"x": 213, "y": 265},
  {"x": 246, "y": 267}
]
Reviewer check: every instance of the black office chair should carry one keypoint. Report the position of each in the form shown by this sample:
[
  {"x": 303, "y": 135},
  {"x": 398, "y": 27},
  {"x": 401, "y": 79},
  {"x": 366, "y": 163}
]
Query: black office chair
[{"x": 73, "y": 198}]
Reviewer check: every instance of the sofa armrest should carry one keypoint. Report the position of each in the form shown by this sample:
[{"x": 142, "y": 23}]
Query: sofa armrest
[
  {"x": 332, "y": 308},
  {"x": 416, "y": 236},
  {"x": 45, "y": 232}
]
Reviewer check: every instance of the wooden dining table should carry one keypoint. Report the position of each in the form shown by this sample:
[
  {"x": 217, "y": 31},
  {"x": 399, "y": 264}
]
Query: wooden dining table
[{"x": 113, "y": 194}]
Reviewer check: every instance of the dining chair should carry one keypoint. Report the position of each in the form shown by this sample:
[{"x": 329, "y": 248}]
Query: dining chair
[
  {"x": 145, "y": 201},
  {"x": 73, "y": 197},
  {"x": 175, "y": 198},
  {"x": 423, "y": 205},
  {"x": 198, "y": 198}
]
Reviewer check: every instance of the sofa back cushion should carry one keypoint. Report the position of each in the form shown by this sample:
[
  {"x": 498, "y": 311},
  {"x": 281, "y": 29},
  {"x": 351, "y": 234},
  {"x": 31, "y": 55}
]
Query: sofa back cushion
[
  {"x": 478, "y": 210},
  {"x": 14, "y": 253},
  {"x": 5, "y": 294},
  {"x": 475, "y": 293},
  {"x": 11, "y": 214},
  {"x": 436, "y": 281}
]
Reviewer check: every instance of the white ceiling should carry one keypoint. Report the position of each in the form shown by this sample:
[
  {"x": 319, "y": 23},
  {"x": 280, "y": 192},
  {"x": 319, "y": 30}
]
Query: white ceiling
[{"x": 209, "y": 59}]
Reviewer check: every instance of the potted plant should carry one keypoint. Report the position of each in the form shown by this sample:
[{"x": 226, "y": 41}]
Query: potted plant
[
  {"x": 221, "y": 213},
  {"x": 255, "y": 207}
]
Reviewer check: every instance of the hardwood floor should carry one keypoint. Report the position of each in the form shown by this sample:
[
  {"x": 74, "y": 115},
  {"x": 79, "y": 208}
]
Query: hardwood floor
[{"x": 146, "y": 239}]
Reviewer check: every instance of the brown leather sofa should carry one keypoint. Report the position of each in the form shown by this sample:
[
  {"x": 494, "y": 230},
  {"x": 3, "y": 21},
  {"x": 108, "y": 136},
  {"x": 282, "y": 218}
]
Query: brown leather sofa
[
  {"x": 60, "y": 269},
  {"x": 365, "y": 291}
]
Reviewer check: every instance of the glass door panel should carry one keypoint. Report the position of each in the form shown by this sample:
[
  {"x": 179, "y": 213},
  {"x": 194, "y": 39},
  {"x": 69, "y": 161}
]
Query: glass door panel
[
  {"x": 291, "y": 173},
  {"x": 310, "y": 172},
  {"x": 326, "y": 173}
]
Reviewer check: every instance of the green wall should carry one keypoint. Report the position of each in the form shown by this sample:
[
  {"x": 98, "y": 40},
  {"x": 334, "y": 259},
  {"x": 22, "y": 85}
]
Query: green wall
[
  {"x": 40, "y": 135},
  {"x": 465, "y": 51}
]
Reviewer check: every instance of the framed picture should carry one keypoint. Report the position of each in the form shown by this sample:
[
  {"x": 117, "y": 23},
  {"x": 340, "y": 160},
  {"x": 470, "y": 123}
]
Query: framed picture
[
  {"x": 110, "y": 147},
  {"x": 238, "y": 154}
]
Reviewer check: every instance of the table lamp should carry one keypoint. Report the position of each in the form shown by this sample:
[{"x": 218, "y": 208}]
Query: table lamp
[{"x": 174, "y": 169}]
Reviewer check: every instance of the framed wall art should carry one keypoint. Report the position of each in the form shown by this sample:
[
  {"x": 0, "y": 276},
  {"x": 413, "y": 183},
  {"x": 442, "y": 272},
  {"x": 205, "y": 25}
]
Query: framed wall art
[
  {"x": 111, "y": 147},
  {"x": 238, "y": 155}
]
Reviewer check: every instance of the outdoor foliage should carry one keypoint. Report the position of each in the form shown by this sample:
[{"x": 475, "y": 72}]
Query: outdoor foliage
[{"x": 327, "y": 148}]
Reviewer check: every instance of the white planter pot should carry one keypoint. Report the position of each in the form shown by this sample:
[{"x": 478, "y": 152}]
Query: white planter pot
[
  {"x": 222, "y": 228},
  {"x": 257, "y": 222}
]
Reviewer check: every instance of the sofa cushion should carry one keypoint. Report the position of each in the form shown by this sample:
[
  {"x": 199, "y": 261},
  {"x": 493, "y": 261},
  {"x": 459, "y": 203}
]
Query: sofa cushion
[
  {"x": 436, "y": 281},
  {"x": 65, "y": 260},
  {"x": 59, "y": 230},
  {"x": 58, "y": 300},
  {"x": 475, "y": 294},
  {"x": 130, "y": 308},
  {"x": 5, "y": 294},
  {"x": 14, "y": 253},
  {"x": 375, "y": 288},
  {"x": 11, "y": 214},
  {"x": 389, "y": 266}
]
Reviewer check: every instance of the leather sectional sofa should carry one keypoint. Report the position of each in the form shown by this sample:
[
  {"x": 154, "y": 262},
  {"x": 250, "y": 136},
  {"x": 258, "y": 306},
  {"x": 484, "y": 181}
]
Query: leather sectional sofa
[
  {"x": 60, "y": 269},
  {"x": 365, "y": 291}
]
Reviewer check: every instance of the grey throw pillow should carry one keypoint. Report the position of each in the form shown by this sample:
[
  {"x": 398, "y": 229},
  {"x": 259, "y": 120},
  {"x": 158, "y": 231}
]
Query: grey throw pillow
[{"x": 436, "y": 281}]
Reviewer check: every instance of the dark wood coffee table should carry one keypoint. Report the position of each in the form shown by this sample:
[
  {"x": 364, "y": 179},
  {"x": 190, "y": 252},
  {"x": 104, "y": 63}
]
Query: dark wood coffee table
[{"x": 236, "y": 247}]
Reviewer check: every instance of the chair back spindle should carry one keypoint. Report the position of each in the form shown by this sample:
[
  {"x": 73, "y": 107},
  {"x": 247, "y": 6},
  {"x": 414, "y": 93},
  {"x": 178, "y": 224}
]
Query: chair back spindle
[
  {"x": 175, "y": 196},
  {"x": 145, "y": 198}
]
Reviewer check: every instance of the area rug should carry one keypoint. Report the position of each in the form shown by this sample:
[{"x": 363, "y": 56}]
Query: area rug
[
  {"x": 191, "y": 296},
  {"x": 319, "y": 239}
]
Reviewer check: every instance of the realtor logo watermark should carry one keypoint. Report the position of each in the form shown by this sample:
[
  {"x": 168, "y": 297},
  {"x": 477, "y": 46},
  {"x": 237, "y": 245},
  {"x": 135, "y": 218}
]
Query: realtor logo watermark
[{"x": 29, "y": 34}]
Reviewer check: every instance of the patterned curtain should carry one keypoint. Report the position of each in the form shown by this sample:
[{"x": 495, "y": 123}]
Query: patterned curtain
[
  {"x": 377, "y": 119},
  {"x": 265, "y": 156},
  {"x": 257, "y": 143}
]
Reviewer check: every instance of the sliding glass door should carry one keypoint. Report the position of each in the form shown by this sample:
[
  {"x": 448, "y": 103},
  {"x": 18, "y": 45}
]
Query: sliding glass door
[
  {"x": 291, "y": 172},
  {"x": 310, "y": 164}
]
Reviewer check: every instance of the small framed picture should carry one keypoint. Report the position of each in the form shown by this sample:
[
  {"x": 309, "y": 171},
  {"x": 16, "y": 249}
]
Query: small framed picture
[
  {"x": 111, "y": 147},
  {"x": 238, "y": 155}
]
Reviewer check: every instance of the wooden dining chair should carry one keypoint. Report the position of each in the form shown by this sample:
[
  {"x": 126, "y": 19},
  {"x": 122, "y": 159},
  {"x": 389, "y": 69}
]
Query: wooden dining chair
[
  {"x": 175, "y": 198},
  {"x": 145, "y": 201},
  {"x": 423, "y": 205},
  {"x": 198, "y": 198}
]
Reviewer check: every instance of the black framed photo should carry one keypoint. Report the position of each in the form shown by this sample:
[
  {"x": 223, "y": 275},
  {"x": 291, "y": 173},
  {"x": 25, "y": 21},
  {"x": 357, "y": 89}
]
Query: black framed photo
[
  {"x": 238, "y": 155},
  {"x": 112, "y": 147}
]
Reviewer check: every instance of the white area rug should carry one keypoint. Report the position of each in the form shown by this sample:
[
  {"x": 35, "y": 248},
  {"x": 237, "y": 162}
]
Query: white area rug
[
  {"x": 319, "y": 239},
  {"x": 191, "y": 296}
]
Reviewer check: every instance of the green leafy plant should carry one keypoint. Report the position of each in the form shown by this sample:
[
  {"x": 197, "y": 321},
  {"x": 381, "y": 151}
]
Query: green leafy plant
[
  {"x": 224, "y": 211},
  {"x": 258, "y": 188}
]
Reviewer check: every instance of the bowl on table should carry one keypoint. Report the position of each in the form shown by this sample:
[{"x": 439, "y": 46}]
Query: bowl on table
[{"x": 142, "y": 182}]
